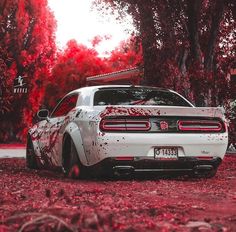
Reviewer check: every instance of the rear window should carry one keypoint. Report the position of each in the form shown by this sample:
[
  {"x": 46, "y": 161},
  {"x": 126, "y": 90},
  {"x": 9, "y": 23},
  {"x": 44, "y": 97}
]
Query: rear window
[{"x": 138, "y": 96}]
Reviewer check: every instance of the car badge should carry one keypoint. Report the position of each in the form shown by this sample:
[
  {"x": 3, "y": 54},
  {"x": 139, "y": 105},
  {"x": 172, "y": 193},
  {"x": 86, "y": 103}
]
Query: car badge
[{"x": 164, "y": 125}]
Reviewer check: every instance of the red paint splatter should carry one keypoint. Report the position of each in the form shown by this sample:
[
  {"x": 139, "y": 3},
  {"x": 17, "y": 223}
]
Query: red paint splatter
[{"x": 128, "y": 111}]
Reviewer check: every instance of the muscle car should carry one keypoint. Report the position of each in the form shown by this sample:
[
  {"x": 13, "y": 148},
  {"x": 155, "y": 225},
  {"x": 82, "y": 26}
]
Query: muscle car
[{"x": 123, "y": 130}]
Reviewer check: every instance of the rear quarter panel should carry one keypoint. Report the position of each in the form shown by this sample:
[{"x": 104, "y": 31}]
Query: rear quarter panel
[{"x": 85, "y": 138}]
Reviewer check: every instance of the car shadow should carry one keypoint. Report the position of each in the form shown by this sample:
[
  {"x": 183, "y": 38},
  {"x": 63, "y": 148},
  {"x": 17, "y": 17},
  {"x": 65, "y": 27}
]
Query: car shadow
[{"x": 59, "y": 175}]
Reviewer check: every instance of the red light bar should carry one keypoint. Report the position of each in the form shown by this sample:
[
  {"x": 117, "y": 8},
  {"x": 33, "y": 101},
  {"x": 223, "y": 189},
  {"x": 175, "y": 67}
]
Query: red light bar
[
  {"x": 204, "y": 157},
  {"x": 124, "y": 125},
  {"x": 112, "y": 125},
  {"x": 127, "y": 158},
  {"x": 201, "y": 125}
]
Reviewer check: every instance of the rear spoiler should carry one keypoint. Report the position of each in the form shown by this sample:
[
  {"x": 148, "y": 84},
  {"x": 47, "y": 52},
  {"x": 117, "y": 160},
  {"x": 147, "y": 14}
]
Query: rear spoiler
[{"x": 215, "y": 112}]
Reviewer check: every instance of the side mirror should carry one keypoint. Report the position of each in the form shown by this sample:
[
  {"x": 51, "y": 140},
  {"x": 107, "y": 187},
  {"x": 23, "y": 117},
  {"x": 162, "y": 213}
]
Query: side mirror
[{"x": 43, "y": 114}]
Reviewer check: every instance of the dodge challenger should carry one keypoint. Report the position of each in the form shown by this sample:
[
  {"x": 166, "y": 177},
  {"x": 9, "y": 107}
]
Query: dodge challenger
[{"x": 123, "y": 130}]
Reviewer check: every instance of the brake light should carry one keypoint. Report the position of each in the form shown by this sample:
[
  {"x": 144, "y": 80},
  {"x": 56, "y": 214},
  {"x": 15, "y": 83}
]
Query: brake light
[
  {"x": 124, "y": 125},
  {"x": 201, "y": 125},
  {"x": 125, "y": 158},
  {"x": 204, "y": 157}
]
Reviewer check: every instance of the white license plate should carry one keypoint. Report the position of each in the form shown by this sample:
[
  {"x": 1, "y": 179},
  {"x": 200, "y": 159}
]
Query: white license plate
[{"x": 167, "y": 153}]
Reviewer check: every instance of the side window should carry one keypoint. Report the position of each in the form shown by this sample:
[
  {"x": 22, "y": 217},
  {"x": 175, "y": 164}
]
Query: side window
[{"x": 65, "y": 106}]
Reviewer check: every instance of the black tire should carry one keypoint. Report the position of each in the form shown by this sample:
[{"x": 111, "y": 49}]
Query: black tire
[
  {"x": 71, "y": 165},
  {"x": 31, "y": 161}
]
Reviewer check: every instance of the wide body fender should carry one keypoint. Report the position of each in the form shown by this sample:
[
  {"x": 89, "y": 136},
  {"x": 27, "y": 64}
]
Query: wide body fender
[
  {"x": 73, "y": 131},
  {"x": 35, "y": 134}
]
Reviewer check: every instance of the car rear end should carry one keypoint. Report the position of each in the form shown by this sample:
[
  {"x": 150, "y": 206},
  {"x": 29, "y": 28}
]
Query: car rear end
[{"x": 144, "y": 138}]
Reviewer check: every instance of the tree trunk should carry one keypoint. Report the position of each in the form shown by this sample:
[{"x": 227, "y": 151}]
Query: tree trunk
[
  {"x": 193, "y": 11},
  {"x": 148, "y": 35}
]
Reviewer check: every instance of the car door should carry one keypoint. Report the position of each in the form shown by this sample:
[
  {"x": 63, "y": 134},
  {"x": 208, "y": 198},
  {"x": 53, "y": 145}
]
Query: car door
[{"x": 54, "y": 129}]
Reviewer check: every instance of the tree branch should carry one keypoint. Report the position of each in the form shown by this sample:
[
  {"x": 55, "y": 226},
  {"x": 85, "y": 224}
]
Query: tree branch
[
  {"x": 28, "y": 34},
  {"x": 44, "y": 218}
]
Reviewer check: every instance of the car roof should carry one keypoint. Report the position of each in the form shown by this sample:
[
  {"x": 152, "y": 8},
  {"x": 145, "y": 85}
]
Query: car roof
[{"x": 92, "y": 89}]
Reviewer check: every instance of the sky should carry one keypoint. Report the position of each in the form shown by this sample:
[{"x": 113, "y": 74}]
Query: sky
[{"x": 76, "y": 19}]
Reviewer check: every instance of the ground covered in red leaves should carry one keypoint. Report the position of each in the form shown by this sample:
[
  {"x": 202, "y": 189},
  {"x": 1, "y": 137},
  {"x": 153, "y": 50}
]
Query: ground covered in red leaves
[{"x": 46, "y": 201}]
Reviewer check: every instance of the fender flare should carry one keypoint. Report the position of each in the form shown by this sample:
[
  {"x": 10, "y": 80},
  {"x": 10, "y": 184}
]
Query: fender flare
[{"x": 73, "y": 131}]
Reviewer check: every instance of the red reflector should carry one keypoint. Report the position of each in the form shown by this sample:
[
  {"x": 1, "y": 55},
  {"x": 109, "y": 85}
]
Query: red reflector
[
  {"x": 204, "y": 157},
  {"x": 124, "y": 158},
  {"x": 201, "y": 125},
  {"x": 124, "y": 125}
]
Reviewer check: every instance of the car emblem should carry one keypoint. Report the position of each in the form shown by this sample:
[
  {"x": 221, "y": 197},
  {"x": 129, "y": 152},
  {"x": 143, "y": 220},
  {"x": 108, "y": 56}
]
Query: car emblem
[{"x": 164, "y": 125}]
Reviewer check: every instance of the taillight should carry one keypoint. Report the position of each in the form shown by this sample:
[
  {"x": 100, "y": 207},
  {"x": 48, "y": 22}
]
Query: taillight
[
  {"x": 204, "y": 157},
  {"x": 201, "y": 125},
  {"x": 124, "y": 158},
  {"x": 124, "y": 125}
]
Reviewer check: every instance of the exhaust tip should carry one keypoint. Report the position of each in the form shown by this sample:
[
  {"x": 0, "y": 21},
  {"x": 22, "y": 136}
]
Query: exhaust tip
[
  {"x": 123, "y": 170},
  {"x": 200, "y": 169}
]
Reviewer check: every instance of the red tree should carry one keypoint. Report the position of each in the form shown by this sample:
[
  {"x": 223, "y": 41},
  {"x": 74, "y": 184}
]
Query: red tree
[{"x": 27, "y": 50}]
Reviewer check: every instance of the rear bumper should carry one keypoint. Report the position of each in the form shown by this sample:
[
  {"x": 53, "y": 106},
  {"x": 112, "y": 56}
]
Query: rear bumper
[
  {"x": 142, "y": 145},
  {"x": 183, "y": 165}
]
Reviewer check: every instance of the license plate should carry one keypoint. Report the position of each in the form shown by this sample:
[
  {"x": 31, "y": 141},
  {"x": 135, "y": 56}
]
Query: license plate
[{"x": 170, "y": 153}]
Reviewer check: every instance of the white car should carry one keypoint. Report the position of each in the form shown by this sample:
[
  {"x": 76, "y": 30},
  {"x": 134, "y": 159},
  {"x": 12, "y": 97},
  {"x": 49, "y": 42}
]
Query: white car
[{"x": 124, "y": 129}]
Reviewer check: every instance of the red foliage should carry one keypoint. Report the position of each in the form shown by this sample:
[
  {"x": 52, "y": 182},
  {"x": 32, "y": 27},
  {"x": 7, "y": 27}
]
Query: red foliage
[
  {"x": 46, "y": 201},
  {"x": 96, "y": 40},
  {"x": 127, "y": 55},
  {"x": 73, "y": 65},
  {"x": 27, "y": 50},
  {"x": 77, "y": 62}
]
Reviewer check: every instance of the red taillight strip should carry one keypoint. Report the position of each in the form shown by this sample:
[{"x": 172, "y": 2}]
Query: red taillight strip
[
  {"x": 124, "y": 125},
  {"x": 204, "y": 157},
  {"x": 115, "y": 125},
  {"x": 215, "y": 126},
  {"x": 127, "y": 158}
]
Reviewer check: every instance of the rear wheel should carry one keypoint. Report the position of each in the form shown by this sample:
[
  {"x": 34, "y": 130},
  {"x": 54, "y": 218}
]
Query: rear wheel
[
  {"x": 71, "y": 165},
  {"x": 31, "y": 161}
]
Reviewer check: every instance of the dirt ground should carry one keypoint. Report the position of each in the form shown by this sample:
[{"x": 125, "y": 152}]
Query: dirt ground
[{"x": 46, "y": 201}]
